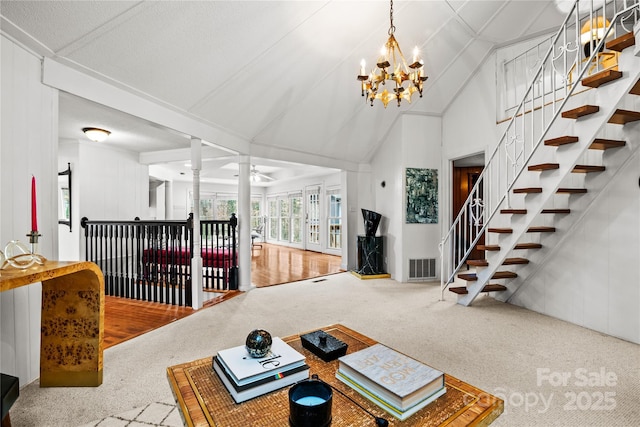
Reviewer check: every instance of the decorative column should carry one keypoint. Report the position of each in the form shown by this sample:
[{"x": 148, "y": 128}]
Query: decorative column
[
  {"x": 168, "y": 200},
  {"x": 197, "y": 294},
  {"x": 244, "y": 222}
]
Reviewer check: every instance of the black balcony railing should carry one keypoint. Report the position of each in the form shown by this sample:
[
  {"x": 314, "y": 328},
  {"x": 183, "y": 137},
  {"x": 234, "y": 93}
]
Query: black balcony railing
[{"x": 151, "y": 260}]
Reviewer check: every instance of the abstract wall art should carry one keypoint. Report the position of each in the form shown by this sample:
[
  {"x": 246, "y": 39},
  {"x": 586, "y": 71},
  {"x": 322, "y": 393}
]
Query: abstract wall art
[{"x": 422, "y": 196}]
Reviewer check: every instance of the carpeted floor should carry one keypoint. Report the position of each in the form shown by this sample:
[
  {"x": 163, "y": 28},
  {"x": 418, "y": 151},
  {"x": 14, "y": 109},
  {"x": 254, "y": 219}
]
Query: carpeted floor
[{"x": 549, "y": 372}]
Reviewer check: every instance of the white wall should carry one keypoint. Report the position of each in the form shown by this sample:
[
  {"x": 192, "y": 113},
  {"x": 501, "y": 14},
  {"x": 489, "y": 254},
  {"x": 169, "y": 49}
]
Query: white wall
[
  {"x": 592, "y": 278},
  {"x": 28, "y": 146},
  {"x": 420, "y": 241},
  {"x": 414, "y": 142},
  {"x": 113, "y": 184},
  {"x": 69, "y": 238},
  {"x": 386, "y": 166}
]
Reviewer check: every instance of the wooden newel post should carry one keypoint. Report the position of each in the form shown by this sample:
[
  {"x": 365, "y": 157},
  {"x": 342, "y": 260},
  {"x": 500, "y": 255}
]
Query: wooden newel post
[{"x": 234, "y": 272}]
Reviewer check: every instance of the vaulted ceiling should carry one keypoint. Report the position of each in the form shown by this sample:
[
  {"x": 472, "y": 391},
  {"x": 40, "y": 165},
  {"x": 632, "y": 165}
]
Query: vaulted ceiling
[{"x": 280, "y": 75}]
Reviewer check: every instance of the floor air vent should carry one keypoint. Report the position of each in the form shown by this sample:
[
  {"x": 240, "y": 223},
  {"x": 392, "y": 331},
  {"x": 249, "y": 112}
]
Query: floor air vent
[{"x": 420, "y": 269}]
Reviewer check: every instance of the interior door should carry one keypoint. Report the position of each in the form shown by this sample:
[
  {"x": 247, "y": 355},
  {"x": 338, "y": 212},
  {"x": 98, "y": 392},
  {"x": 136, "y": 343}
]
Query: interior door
[
  {"x": 313, "y": 219},
  {"x": 464, "y": 178}
]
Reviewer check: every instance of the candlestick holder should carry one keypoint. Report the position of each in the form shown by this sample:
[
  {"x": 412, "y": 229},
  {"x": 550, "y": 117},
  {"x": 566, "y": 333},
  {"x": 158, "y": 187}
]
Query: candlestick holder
[{"x": 17, "y": 255}]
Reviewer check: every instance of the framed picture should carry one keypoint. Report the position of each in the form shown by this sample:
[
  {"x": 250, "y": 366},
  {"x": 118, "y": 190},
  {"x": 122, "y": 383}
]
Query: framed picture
[{"x": 422, "y": 196}]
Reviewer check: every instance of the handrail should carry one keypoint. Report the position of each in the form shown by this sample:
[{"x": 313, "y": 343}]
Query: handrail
[
  {"x": 521, "y": 139},
  {"x": 152, "y": 259}
]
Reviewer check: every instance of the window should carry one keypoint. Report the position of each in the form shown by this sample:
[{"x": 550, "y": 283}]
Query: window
[
  {"x": 206, "y": 208},
  {"x": 256, "y": 213},
  {"x": 284, "y": 219},
  {"x": 296, "y": 217},
  {"x": 207, "y": 202},
  {"x": 273, "y": 218},
  {"x": 335, "y": 220},
  {"x": 225, "y": 206},
  {"x": 313, "y": 212},
  {"x": 215, "y": 206}
]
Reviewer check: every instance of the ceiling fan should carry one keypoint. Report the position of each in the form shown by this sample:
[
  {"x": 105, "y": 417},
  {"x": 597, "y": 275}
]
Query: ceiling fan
[{"x": 256, "y": 176}]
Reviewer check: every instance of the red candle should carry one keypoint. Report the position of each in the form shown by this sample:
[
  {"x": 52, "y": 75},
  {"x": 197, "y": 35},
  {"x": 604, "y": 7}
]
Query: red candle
[{"x": 34, "y": 218}]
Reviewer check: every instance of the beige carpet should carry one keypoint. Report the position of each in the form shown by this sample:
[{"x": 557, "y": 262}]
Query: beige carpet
[{"x": 537, "y": 364}]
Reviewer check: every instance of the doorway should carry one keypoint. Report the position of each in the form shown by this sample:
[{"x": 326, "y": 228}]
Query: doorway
[
  {"x": 313, "y": 222},
  {"x": 466, "y": 172}
]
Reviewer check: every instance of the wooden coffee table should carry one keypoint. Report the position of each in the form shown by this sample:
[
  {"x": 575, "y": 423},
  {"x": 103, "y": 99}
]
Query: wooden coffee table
[{"x": 204, "y": 401}]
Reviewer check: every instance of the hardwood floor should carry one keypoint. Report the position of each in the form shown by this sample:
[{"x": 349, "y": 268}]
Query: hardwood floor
[
  {"x": 274, "y": 265},
  {"x": 270, "y": 265},
  {"x": 125, "y": 319}
]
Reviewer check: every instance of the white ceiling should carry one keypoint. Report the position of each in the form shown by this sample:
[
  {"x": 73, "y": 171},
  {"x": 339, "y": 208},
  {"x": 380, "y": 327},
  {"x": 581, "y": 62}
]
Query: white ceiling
[{"x": 280, "y": 75}]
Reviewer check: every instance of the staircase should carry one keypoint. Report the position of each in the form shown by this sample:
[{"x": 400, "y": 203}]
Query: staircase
[{"x": 548, "y": 172}]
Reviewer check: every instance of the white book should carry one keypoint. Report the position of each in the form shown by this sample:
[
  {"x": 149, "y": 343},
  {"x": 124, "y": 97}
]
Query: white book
[
  {"x": 246, "y": 369},
  {"x": 259, "y": 390},
  {"x": 399, "y": 379},
  {"x": 385, "y": 405}
]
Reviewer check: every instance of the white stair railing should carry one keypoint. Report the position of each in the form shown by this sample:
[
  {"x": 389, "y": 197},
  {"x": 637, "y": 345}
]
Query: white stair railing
[{"x": 567, "y": 60}]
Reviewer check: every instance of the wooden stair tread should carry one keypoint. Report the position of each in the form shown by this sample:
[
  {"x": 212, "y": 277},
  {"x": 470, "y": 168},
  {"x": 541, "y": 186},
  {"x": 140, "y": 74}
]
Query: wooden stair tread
[
  {"x": 580, "y": 111},
  {"x": 621, "y": 43},
  {"x": 504, "y": 275},
  {"x": 528, "y": 246},
  {"x": 472, "y": 277},
  {"x": 488, "y": 247},
  {"x": 556, "y": 211},
  {"x": 514, "y": 261},
  {"x": 635, "y": 90},
  {"x": 513, "y": 211},
  {"x": 534, "y": 229},
  {"x": 462, "y": 290},
  {"x": 556, "y": 142},
  {"x": 587, "y": 168},
  {"x": 516, "y": 247},
  {"x": 571, "y": 190},
  {"x": 500, "y": 230},
  {"x": 601, "y": 78},
  {"x": 528, "y": 190},
  {"x": 605, "y": 144},
  {"x": 507, "y": 261},
  {"x": 541, "y": 229},
  {"x": 544, "y": 167},
  {"x": 621, "y": 117}
]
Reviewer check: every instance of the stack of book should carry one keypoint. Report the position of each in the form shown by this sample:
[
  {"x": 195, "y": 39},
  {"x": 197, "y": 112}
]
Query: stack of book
[
  {"x": 394, "y": 381},
  {"x": 246, "y": 377}
]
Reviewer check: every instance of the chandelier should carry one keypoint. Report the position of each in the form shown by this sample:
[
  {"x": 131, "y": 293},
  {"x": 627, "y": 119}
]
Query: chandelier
[{"x": 392, "y": 68}]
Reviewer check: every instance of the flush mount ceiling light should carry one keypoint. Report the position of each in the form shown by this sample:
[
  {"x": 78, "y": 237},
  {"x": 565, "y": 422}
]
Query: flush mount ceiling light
[
  {"x": 391, "y": 67},
  {"x": 96, "y": 134}
]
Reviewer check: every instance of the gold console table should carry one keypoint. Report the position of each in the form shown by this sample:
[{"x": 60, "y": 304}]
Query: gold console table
[{"x": 72, "y": 324}]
